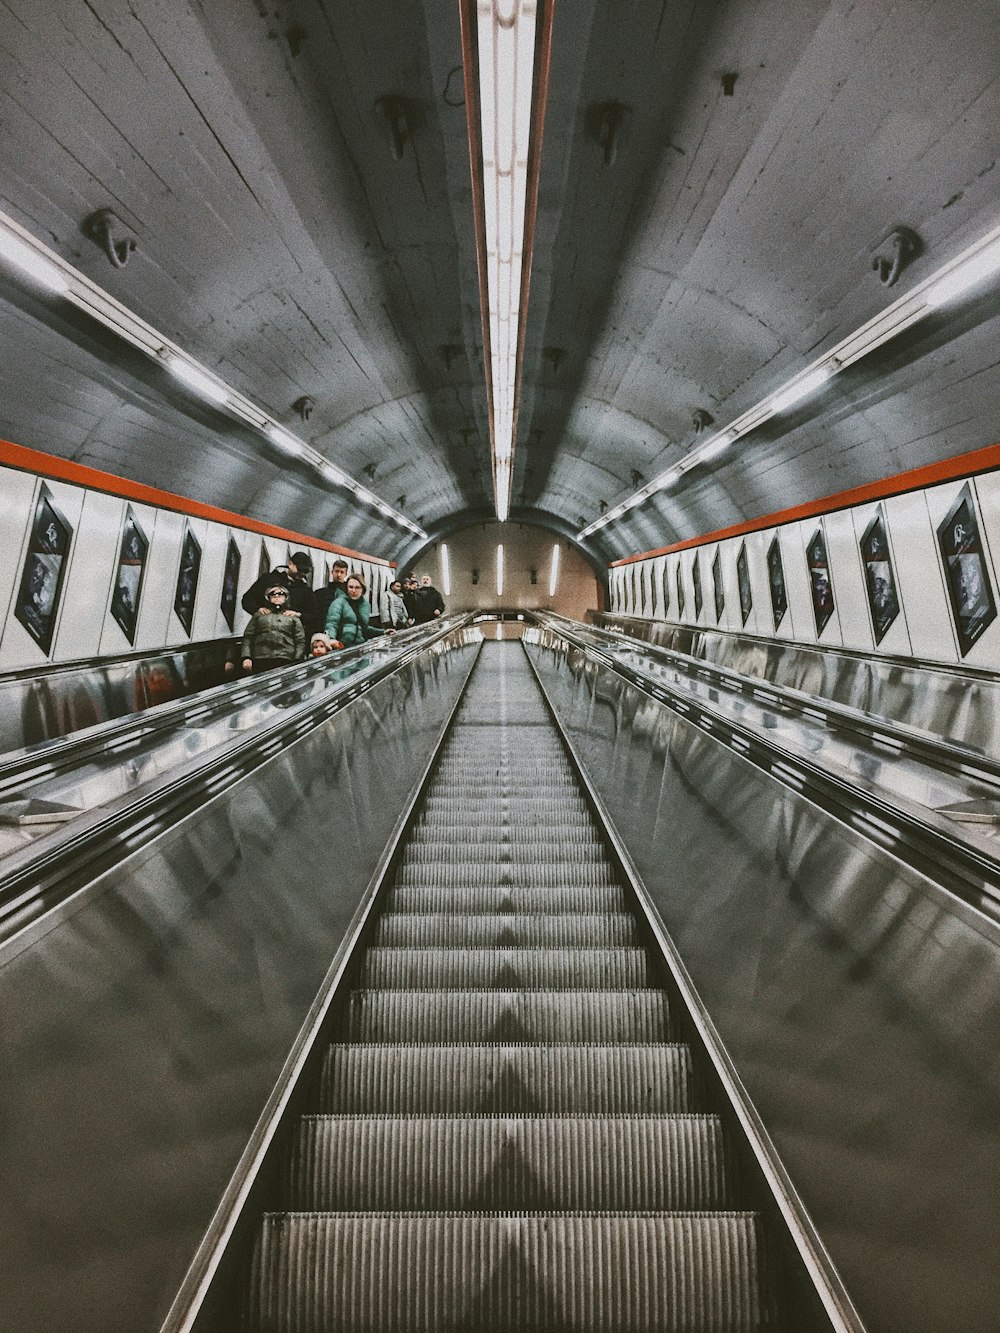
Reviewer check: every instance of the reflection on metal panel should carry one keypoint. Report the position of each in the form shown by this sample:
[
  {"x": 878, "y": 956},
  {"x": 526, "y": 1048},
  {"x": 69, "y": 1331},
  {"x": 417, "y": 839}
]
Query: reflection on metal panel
[
  {"x": 860, "y": 1003},
  {"x": 962, "y": 705},
  {"x": 143, "y": 1033},
  {"x": 39, "y": 706}
]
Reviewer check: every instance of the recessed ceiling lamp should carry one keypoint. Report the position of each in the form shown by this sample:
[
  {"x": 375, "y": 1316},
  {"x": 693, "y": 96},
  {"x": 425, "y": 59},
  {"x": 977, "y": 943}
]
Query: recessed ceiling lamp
[
  {"x": 977, "y": 264},
  {"x": 445, "y": 571},
  {"x": 554, "y": 571},
  {"x": 506, "y": 142},
  {"x": 500, "y": 570},
  {"x": 20, "y": 249}
]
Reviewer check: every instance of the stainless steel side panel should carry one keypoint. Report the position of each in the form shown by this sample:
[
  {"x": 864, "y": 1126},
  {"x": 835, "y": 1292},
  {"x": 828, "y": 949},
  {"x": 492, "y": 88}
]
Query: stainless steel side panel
[
  {"x": 860, "y": 1003},
  {"x": 948, "y": 701},
  {"x": 141, "y": 1036},
  {"x": 38, "y": 706}
]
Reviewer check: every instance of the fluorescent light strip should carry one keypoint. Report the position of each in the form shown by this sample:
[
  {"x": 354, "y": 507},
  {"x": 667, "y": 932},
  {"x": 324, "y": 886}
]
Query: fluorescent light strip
[
  {"x": 506, "y": 39},
  {"x": 974, "y": 266},
  {"x": 554, "y": 571},
  {"x": 500, "y": 570},
  {"x": 30, "y": 257},
  {"x": 445, "y": 571}
]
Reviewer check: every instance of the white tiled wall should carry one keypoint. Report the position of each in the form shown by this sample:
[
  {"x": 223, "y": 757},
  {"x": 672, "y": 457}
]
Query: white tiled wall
[
  {"x": 84, "y": 626},
  {"x": 923, "y": 629}
]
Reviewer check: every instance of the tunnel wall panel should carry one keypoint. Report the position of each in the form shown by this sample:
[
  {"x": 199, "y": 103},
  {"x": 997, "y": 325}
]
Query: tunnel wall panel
[
  {"x": 83, "y": 624},
  {"x": 926, "y": 627}
]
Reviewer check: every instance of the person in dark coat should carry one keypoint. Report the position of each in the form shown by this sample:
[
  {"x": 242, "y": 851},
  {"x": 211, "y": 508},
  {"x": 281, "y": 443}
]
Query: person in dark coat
[
  {"x": 409, "y": 595},
  {"x": 349, "y": 617},
  {"x": 428, "y": 602},
  {"x": 335, "y": 588},
  {"x": 274, "y": 636},
  {"x": 296, "y": 576}
]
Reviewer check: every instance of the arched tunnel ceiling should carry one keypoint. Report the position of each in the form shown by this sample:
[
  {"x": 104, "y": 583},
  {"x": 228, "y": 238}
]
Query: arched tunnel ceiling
[{"x": 711, "y": 250}]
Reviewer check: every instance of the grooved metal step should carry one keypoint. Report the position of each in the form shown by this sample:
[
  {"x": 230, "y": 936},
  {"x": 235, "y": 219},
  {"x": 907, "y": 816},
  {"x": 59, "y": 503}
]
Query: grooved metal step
[
  {"x": 545, "y": 1016},
  {"x": 543, "y": 874},
  {"x": 506, "y": 1079},
  {"x": 510, "y": 1163},
  {"x": 397, "y": 1273},
  {"x": 503, "y": 968},
  {"x": 493, "y": 899},
  {"x": 570, "y": 930}
]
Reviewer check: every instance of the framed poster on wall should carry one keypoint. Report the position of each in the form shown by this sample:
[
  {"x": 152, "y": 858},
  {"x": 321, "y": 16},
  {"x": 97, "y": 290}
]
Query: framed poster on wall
[
  {"x": 967, "y": 577},
  {"x": 263, "y": 561},
  {"x": 129, "y": 575},
  {"x": 820, "y": 583},
  {"x": 187, "y": 579},
  {"x": 665, "y": 580},
  {"x": 230, "y": 582},
  {"x": 880, "y": 578},
  {"x": 720, "y": 592},
  {"x": 776, "y": 581},
  {"x": 743, "y": 582},
  {"x": 680, "y": 588},
  {"x": 44, "y": 572},
  {"x": 696, "y": 582}
]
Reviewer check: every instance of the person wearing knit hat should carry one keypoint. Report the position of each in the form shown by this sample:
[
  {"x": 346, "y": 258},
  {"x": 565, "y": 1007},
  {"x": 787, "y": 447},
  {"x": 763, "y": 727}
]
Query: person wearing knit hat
[{"x": 274, "y": 636}]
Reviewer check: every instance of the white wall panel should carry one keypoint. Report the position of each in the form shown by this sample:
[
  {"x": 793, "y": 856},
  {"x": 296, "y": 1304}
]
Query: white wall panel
[
  {"x": 91, "y": 573},
  {"x": 113, "y": 640},
  {"x": 918, "y": 574},
  {"x": 18, "y": 648},
  {"x": 17, "y": 506}
]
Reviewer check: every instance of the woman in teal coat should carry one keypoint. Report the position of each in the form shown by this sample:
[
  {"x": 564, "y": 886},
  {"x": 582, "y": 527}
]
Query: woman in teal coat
[{"x": 347, "y": 619}]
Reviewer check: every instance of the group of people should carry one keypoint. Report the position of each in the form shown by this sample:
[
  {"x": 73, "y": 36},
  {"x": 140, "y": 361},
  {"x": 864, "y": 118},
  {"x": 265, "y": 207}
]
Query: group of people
[{"x": 287, "y": 617}]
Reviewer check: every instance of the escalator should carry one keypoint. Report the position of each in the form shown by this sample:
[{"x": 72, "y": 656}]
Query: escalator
[{"x": 508, "y": 1131}]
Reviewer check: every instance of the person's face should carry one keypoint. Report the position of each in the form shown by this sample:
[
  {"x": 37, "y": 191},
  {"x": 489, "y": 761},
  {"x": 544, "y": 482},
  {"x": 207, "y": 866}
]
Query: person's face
[
  {"x": 395, "y": 587},
  {"x": 320, "y": 649},
  {"x": 278, "y": 599},
  {"x": 339, "y": 573},
  {"x": 425, "y": 582},
  {"x": 353, "y": 588}
]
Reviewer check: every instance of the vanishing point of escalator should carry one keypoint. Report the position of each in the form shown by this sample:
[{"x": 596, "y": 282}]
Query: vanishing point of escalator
[{"x": 507, "y": 1137}]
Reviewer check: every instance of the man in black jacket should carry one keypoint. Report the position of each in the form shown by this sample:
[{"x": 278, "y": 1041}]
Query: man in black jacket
[
  {"x": 428, "y": 602},
  {"x": 296, "y": 576},
  {"x": 337, "y": 587}
]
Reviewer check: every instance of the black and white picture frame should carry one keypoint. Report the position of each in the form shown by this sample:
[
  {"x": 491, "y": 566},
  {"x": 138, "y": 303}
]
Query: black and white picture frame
[
  {"x": 743, "y": 583},
  {"x": 681, "y": 602},
  {"x": 230, "y": 583},
  {"x": 187, "y": 579},
  {"x": 696, "y": 584},
  {"x": 880, "y": 577},
  {"x": 967, "y": 577},
  {"x": 44, "y": 573},
  {"x": 718, "y": 587},
  {"x": 263, "y": 561},
  {"x": 129, "y": 575},
  {"x": 776, "y": 581},
  {"x": 820, "y": 582},
  {"x": 665, "y": 586}
]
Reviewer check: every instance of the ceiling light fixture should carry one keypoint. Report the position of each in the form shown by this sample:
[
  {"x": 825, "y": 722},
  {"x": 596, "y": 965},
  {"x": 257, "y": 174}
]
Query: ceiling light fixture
[
  {"x": 500, "y": 570},
  {"x": 34, "y": 259},
  {"x": 960, "y": 276},
  {"x": 24, "y": 255},
  {"x": 445, "y": 571},
  {"x": 505, "y": 101}
]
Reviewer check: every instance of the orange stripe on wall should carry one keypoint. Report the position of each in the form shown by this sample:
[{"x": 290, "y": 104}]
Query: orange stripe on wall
[
  {"x": 76, "y": 474},
  {"x": 951, "y": 469}
]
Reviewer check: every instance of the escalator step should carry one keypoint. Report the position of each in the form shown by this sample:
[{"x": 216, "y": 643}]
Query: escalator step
[
  {"x": 539, "y": 1163},
  {"x": 543, "y": 874},
  {"x": 506, "y": 1079},
  {"x": 492, "y": 899},
  {"x": 699, "y": 1273},
  {"x": 567, "y": 930},
  {"x": 504, "y": 1016},
  {"x": 480, "y": 847},
  {"x": 528, "y": 838},
  {"x": 497, "y": 968}
]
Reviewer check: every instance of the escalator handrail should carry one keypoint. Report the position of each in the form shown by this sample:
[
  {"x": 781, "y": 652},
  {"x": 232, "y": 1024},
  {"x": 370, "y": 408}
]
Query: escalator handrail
[
  {"x": 47, "y": 873},
  {"x": 966, "y": 869},
  {"x": 20, "y": 769}
]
